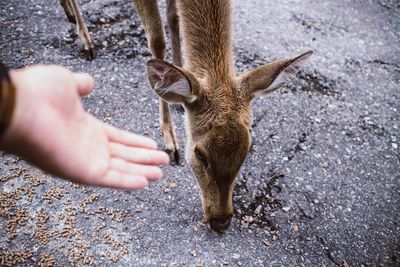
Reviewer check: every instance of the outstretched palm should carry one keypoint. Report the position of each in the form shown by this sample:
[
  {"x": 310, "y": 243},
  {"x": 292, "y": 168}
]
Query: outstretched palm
[{"x": 51, "y": 129}]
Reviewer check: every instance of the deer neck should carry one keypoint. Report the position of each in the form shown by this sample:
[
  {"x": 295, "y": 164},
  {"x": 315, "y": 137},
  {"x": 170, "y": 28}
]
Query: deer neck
[{"x": 207, "y": 38}]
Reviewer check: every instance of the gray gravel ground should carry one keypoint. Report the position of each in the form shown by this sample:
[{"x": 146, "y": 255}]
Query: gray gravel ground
[{"x": 319, "y": 188}]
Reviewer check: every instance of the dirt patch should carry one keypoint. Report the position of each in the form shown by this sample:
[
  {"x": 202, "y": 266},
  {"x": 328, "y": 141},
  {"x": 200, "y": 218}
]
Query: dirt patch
[
  {"x": 389, "y": 4},
  {"x": 315, "y": 82},
  {"x": 115, "y": 30},
  {"x": 254, "y": 209},
  {"x": 367, "y": 124}
]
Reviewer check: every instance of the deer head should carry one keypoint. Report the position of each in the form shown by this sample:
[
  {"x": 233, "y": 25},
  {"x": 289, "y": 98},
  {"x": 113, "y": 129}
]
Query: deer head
[{"x": 218, "y": 123}]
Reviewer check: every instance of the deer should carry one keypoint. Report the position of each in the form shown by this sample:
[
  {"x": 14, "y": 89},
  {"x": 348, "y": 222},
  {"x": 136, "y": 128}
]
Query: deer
[{"x": 217, "y": 101}]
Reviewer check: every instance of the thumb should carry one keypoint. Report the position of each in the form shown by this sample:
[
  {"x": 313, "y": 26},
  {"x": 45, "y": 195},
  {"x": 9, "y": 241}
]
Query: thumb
[{"x": 84, "y": 83}]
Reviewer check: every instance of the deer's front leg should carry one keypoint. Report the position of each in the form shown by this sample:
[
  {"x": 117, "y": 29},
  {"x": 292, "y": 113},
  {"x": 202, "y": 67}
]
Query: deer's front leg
[
  {"x": 68, "y": 9},
  {"x": 168, "y": 131},
  {"x": 150, "y": 16},
  {"x": 173, "y": 26},
  {"x": 73, "y": 13}
]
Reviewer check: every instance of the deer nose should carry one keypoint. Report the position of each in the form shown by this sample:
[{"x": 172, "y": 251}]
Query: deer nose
[{"x": 219, "y": 225}]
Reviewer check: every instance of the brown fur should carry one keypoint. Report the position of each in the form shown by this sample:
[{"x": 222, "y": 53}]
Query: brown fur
[
  {"x": 216, "y": 101},
  {"x": 206, "y": 35}
]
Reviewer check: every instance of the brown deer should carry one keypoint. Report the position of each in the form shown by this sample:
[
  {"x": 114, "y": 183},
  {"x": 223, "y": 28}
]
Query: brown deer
[{"x": 216, "y": 101}]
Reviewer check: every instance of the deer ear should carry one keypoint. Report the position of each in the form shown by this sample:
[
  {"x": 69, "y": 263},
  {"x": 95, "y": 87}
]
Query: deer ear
[
  {"x": 169, "y": 82},
  {"x": 272, "y": 76}
]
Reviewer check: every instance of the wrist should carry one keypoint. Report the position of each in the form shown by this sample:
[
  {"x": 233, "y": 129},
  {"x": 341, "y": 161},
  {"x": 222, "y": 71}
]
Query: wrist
[
  {"x": 13, "y": 120},
  {"x": 7, "y": 100}
]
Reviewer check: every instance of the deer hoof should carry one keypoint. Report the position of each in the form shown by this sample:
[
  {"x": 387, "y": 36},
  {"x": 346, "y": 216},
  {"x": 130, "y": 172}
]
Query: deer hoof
[
  {"x": 220, "y": 226},
  {"x": 173, "y": 155},
  {"x": 90, "y": 54},
  {"x": 171, "y": 145}
]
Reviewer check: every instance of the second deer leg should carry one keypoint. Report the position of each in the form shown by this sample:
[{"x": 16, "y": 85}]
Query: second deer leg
[
  {"x": 173, "y": 25},
  {"x": 168, "y": 131},
  {"x": 150, "y": 16},
  {"x": 68, "y": 10},
  {"x": 83, "y": 33}
]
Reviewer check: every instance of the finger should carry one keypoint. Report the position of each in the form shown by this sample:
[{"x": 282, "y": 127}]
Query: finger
[
  {"x": 139, "y": 155},
  {"x": 129, "y": 139},
  {"x": 116, "y": 179},
  {"x": 85, "y": 83},
  {"x": 150, "y": 172}
]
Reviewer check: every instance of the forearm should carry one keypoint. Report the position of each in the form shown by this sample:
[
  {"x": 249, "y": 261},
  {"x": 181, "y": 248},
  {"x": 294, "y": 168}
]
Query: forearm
[{"x": 7, "y": 99}]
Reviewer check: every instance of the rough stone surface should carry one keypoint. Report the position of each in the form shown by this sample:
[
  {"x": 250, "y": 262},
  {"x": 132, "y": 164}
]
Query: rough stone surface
[{"x": 319, "y": 188}]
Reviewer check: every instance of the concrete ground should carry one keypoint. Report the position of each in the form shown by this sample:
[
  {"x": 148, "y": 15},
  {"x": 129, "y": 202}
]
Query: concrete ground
[{"x": 319, "y": 188}]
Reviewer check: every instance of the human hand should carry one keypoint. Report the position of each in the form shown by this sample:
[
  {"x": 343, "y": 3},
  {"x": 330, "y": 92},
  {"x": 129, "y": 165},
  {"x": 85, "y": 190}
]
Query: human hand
[{"x": 50, "y": 129}]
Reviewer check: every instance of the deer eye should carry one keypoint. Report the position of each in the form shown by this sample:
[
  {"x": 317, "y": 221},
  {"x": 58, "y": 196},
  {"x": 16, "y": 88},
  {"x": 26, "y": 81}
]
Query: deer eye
[{"x": 200, "y": 156}]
